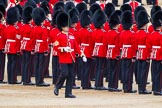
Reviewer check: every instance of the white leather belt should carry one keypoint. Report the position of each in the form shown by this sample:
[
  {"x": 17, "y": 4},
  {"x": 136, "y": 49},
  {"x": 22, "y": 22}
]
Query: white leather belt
[
  {"x": 83, "y": 44},
  {"x": 0, "y": 37},
  {"x": 111, "y": 46},
  {"x": 141, "y": 46},
  {"x": 39, "y": 40},
  {"x": 26, "y": 38},
  {"x": 98, "y": 43},
  {"x": 126, "y": 46},
  {"x": 10, "y": 40},
  {"x": 156, "y": 47}
]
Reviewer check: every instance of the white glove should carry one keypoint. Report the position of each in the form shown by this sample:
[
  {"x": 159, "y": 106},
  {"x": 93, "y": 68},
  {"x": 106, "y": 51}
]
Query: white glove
[
  {"x": 67, "y": 49},
  {"x": 84, "y": 59}
]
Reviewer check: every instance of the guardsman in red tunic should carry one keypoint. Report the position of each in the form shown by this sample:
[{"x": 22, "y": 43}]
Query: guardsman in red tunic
[
  {"x": 111, "y": 43},
  {"x": 45, "y": 6},
  {"x": 40, "y": 33},
  {"x": 27, "y": 45},
  {"x": 156, "y": 50},
  {"x": 11, "y": 47},
  {"x": 74, "y": 16},
  {"x": 143, "y": 52},
  {"x": 67, "y": 48},
  {"x": 99, "y": 50},
  {"x": 2, "y": 43},
  {"x": 53, "y": 37},
  {"x": 128, "y": 54},
  {"x": 84, "y": 40}
]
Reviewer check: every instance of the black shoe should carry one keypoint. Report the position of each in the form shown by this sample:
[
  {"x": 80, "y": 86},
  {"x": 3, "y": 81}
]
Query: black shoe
[
  {"x": 88, "y": 88},
  {"x": 130, "y": 91},
  {"x": 158, "y": 93},
  {"x": 148, "y": 83},
  {"x": 75, "y": 87},
  {"x": 145, "y": 92},
  {"x": 43, "y": 84},
  {"x": 114, "y": 90},
  {"x": 48, "y": 76},
  {"x": 56, "y": 91},
  {"x": 17, "y": 82},
  {"x": 3, "y": 82},
  {"x": 70, "y": 96},
  {"x": 101, "y": 88},
  {"x": 30, "y": 83}
]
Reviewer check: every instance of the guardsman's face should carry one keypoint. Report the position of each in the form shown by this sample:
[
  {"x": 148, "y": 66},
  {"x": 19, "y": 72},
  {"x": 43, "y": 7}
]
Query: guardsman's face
[{"x": 65, "y": 29}]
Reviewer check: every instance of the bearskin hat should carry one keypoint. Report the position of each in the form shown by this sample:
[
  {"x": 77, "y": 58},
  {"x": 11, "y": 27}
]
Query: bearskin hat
[
  {"x": 45, "y": 6},
  {"x": 94, "y": 7},
  {"x": 74, "y": 15},
  {"x": 109, "y": 9},
  {"x": 115, "y": 18},
  {"x": 1, "y": 15},
  {"x": 30, "y": 3},
  {"x": 99, "y": 18},
  {"x": 37, "y": 1},
  {"x": 68, "y": 6},
  {"x": 126, "y": 7},
  {"x": 154, "y": 10},
  {"x": 137, "y": 9},
  {"x": 2, "y": 9},
  {"x": 157, "y": 19},
  {"x": 127, "y": 20},
  {"x": 85, "y": 18},
  {"x": 27, "y": 14},
  {"x": 12, "y": 15},
  {"x": 62, "y": 20},
  {"x": 81, "y": 7},
  {"x": 4, "y": 2},
  {"x": 58, "y": 6},
  {"x": 54, "y": 15},
  {"x": 20, "y": 9},
  {"x": 142, "y": 19},
  {"x": 38, "y": 16}
]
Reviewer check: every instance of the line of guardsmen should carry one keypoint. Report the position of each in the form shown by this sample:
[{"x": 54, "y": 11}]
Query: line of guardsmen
[{"x": 88, "y": 43}]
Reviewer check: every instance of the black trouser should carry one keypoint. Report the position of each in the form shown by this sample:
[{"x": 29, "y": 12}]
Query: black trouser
[
  {"x": 2, "y": 65},
  {"x": 55, "y": 68},
  {"x": 11, "y": 68},
  {"x": 154, "y": 2},
  {"x": 140, "y": 1},
  {"x": 26, "y": 74},
  {"x": 100, "y": 61},
  {"x": 32, "y": 65},
  {"x": 115, "y": 2},
  {"x": 142, "y": 72},
  {"x": 112, "y": 65},
  {"x": 67, "y": 73},
  {"x": 156, "y": 75},
  {"x": 93, "y": 68},
  {"x": 127, "y": 74},
  {"x": 135, "y": 68},
  {"x": 39, "y": 68},
  {"x": 46, "y": 67},
  {"x": 85, "y": 80},
  {"x": 18, "y": 65}
]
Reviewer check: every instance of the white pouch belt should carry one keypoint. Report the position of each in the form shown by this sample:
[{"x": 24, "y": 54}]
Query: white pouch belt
[
  {"x": 156, "y": 47},
  {"x": 98, "y": 43},
  {"x": 126, "y": 46},
  {"x": 83, "y": 44},
  {"x": 111, "y": 46},
  {"x": 10, "y": 40},
  {"x": 26, "y": 39},
  {"x": 39, "y": 40},
  {"x": 141, "y": 46},
  {"x": 0, "y": 37}
]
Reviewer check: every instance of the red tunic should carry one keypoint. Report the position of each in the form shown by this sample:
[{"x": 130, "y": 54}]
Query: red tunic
[
  {"x": 27, "y": 43},
  {"x": 127, "y": 44},
  {"x": 84, "y": 38},
  {"x": 2, "y": 38},
  {"x": 111, "y": 42},
  {"x": 12, "y": 40},
  {"x": 98, "y": 37},
  {"x": 41, "y": 39},
  {"x": 156, "y": 45},
  {"x": 63, "y": 41},
  {"x": 142, "y": 47}
]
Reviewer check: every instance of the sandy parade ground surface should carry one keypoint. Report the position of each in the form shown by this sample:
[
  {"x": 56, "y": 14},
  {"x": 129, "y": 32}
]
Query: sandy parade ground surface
[{"x": 18, "y": 96}]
